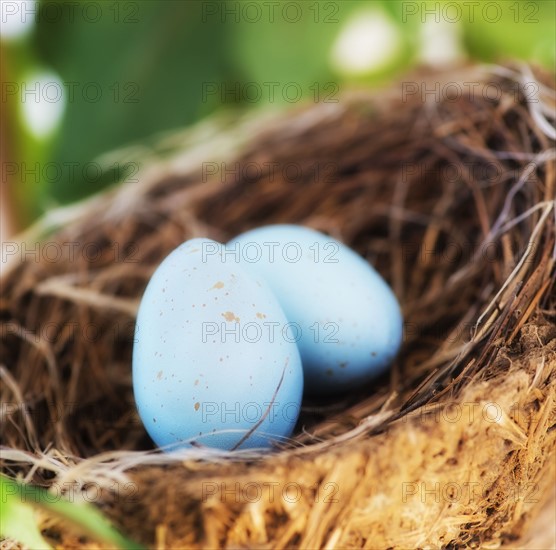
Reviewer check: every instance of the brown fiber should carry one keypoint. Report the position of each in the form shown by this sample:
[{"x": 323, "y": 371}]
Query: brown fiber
[{"x": 450, "y": 198}]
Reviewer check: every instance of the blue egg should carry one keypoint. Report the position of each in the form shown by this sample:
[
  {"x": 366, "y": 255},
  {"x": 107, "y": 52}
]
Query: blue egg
[
  {"x": 207, "y": 368},
  {"x": 347, "y": 320}
]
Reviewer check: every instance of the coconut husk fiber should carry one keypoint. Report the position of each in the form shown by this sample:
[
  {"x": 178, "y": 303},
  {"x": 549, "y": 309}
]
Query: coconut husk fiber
[{"x": 450, "y": 196}]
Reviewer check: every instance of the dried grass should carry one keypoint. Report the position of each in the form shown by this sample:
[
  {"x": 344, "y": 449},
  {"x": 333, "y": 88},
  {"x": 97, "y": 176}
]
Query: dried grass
[{"x": 455, "y": 448}]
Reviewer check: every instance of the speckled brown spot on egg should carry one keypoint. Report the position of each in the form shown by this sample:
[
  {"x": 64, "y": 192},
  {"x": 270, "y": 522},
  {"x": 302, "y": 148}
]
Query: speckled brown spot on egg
[{"x": 230, "y": 316}]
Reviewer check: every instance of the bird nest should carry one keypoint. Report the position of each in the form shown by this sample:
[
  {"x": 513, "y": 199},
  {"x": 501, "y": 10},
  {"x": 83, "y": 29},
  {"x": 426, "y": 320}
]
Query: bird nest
[{"x": 446, "y": 184}]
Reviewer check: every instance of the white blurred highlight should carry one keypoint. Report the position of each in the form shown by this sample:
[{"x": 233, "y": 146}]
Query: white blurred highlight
[
  {"x": 367, "y": 43},
  {"x": 17, "y": 18},
  {"x": 440, "y": 42},
  {"x": 43, "y": 101}
]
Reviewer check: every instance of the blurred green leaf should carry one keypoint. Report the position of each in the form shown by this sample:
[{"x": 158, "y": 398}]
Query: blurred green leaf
[
  {"x": 290, "y": 44},
  {"x": 137, "y": 69},
  {"x": 132, "y": 69},
  {"x": 514, "y": 29},
  {"x": 19, "y": 500},
  {"x": 18, "y": 520}
]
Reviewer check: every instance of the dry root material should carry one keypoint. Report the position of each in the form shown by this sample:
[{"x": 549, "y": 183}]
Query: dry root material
[{"x": 451, "y": 199}]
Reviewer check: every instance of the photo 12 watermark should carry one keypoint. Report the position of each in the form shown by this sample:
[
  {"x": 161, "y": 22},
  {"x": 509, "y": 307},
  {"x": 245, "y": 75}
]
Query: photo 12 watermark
[
  {"x": 484, "y": 173},
  {"x": 69, "y": 251},
  {"x": 289, "y": 172},
  {"x": 72, "y": 332},
  {"x": 18, "y": 12},
  {"x": 467, "y": 412},
  {"x": 290, "y": 252},
  {"x": 270, "y": 492},
  {"x": 464, "y": 493},
  {"x": 52, "y": 413},
  {"x": 72, "y": 492},
  {"x": 270, "y": 11},
  {"x": 68, "y": 172},
  {"x": 56, "y": 91},
  {"x": 233, "y": 330},
  {"x": 251, "y": 412},
  {"x": 269, "y": 92},
  {"x": 452, "y": 92},
  {"x": 470, "y": 11},
  {"x": 457, "y": 253}
]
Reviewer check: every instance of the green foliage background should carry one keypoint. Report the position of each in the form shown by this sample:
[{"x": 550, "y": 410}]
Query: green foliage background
[{"x": 150, "y": 59}]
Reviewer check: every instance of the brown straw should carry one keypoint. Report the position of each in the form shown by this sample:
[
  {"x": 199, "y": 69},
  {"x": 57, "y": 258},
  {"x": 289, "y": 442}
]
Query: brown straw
[{"x": 450, "y": 196}]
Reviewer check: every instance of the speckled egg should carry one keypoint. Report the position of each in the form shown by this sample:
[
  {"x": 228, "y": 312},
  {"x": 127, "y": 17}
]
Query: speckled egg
[
  {"x": 211, "y": 366},
  {"x": 348, "y": 321}
]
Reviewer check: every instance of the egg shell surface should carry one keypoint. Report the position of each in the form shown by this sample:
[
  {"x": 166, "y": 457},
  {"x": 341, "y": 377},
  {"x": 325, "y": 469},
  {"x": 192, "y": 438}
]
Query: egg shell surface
[
  {"x": 350, "y": 323},
  {"x": 205, "y": 370}
]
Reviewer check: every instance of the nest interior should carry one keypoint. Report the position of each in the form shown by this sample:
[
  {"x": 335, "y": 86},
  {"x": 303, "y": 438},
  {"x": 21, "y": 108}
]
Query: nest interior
[{"x": 450, "y": 197}]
